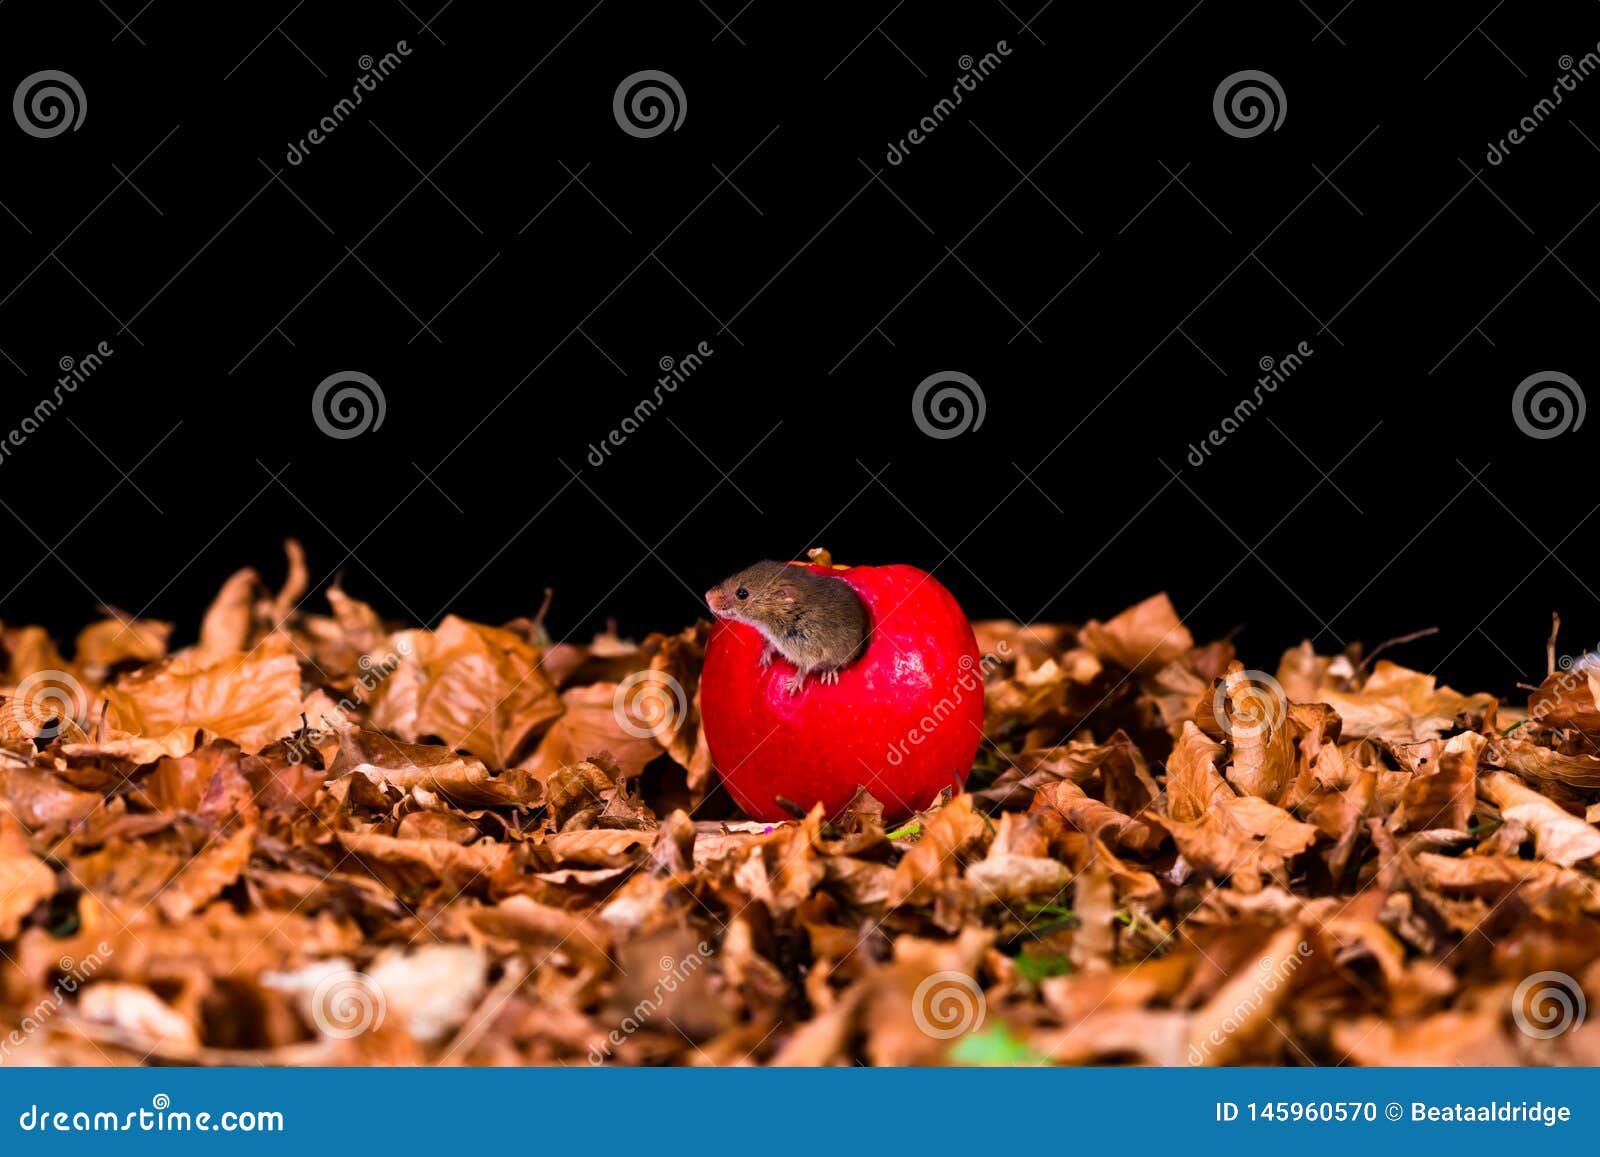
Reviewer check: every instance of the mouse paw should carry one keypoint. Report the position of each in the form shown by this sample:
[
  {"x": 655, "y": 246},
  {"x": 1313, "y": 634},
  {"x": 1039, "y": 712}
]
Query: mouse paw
[
  {"x": 830, "y": 676},
  {"x": 796, "y": 683},
  {"x": 767, "y": 655}
]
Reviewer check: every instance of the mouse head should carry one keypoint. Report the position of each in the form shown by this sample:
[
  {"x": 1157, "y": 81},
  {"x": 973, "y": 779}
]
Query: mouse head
[{"x": 761, "y": 594}]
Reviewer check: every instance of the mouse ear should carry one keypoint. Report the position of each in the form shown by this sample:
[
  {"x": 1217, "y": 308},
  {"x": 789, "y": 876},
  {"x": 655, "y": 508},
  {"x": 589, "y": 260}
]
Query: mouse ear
[{"x": 787, "y": 591}]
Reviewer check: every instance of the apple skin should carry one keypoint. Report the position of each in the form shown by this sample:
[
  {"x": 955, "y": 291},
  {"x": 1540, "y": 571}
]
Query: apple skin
[{"x": 904, "y": 720}]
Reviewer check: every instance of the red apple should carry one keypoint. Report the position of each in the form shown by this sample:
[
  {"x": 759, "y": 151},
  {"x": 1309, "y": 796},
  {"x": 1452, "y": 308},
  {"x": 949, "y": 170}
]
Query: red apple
[{"x": 904, "y": 720}]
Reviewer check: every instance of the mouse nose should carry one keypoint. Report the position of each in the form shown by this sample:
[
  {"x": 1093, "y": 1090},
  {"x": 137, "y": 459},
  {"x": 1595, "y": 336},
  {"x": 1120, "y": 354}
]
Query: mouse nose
[{"x": 714, "y": 599}]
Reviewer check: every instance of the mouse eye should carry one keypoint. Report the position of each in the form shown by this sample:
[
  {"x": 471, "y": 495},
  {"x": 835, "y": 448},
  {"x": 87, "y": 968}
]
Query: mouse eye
[{"x": 741, "y": 593}]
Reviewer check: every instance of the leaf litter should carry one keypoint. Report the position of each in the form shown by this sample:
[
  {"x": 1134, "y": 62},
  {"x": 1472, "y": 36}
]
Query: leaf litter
[{"x": 325, "y": 838}]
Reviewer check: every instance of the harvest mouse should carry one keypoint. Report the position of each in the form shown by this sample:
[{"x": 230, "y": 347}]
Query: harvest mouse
[{"x": 817, "y": 622}]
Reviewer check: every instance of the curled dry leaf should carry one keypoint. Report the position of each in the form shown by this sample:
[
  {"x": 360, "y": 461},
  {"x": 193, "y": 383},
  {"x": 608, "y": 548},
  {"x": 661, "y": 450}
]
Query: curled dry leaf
[
  {"x": 474, "y": 687},
  {"x": 115, "y": 641},
  {"x": 950, "y": 832},
  {"x": 407, "y": 766},
  {"x": 1558, "y": 836},
  {"x": 1404, "y": 706},
  {"x": 1145, "y": 637},
  {"x": 251, "y": 698},
  {"x": 1442, "y": 789}
]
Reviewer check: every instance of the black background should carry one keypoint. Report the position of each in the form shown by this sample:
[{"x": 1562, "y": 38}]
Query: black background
[{"x": 1080, "y": 236}]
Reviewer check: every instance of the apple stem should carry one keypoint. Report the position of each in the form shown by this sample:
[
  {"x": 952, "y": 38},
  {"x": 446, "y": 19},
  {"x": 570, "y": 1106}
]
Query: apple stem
[
  {"x": 820, "y": 555},
  {"x": 790, "y": 806}
]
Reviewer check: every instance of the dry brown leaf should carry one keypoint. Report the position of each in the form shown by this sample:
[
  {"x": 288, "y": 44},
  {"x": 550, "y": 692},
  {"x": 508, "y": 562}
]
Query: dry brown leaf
[
  {"x": 951, "y": 832},
  {"x": 1145, "y": 637},
  {"x": 1558, "y": 836},
  {"x": 1258, "y": 728},
  {"x": 204, "y": 877},
  {"x": 1244, "y": 838},
  {"x": 25, "y": 879},
  {"x": 475, "y": 687},
  {"x": 1194, "y": 785},
  {"x": 1533, "y": 762},
  {"x": 40, "y": 800},
  {"x": 407, "y": 766},
  {"x": 112, "y": 642},
  {"x": 1403, "y": 706},
  {"x": 251, "y": 699},
  {"x": 1442, "y": 790}
]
